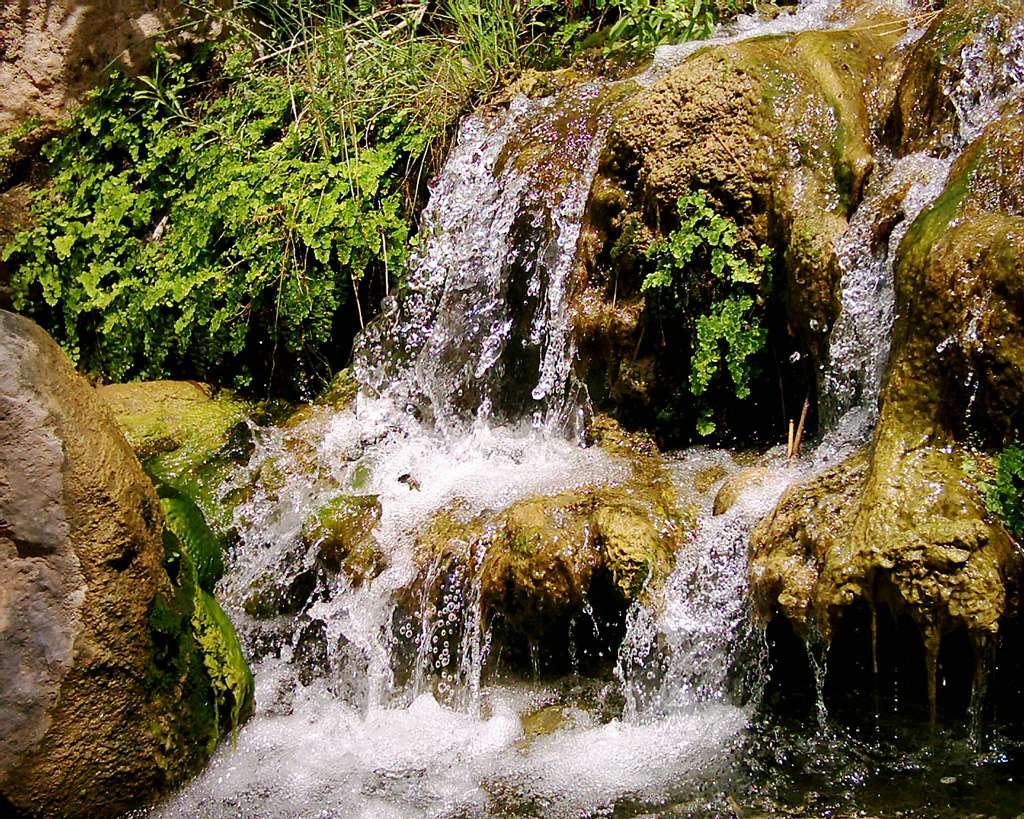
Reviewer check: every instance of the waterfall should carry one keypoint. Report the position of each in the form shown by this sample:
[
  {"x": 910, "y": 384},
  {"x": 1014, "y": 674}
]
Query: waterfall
[
  {"x": 371, "y": 700},
  {"x": 480, "y": 332}
]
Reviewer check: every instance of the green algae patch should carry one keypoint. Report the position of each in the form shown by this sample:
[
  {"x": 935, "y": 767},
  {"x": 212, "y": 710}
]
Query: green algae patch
[
  {"x": 188, "y": 524},
  {"x": 185, "y": 438},
  {"x": 197, "y": 672},
  {"x": 226, "y": 666}
]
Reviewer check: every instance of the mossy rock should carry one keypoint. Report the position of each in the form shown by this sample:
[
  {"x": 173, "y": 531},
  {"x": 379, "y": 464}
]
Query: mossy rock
[
  {"x": 341, "y": 534},
  {"x": 910, "y": 527},
  {"x": 120, "y": 675},
  {"x": 340, "y": 392},
  {"x": 276, "y": 594},
  {"x": 197, "y": 659},
  {"x": 778, "y": 131},
  {"x": 187, "y": 523},
  {"x": 960, "y": 322},
  {"x": 555, "y": 573},
  {"x": 964, "y": 60},
  {"x": 185, "y": 438}
]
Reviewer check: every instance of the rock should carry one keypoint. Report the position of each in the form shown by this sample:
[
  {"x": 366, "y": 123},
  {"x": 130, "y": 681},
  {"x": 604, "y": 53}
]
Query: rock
[
  {"x": 186, "y": 438},
  {"x": 778, "y": 131},
  {"x": 117, "y": 672},
  {"x": 341, "y": 392},
  {"x": 341, "y": 534},
  {"x": 960, "y": 325},
  {"x": 546, "y": 563},
  {"x": 806, "y": 531},
  {"x": 54, "y": 52},
  {"x": 964, "y": 69},
  {"x": 736, "y": 485},
  {"x": 910, "y": 528}
]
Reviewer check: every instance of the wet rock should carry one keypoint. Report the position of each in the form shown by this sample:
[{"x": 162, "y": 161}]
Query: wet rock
[
  {"x": 965, "y": 69},
  {"x": 959, "y": 332},
  {"x": 341, "y": 534},
  {"x": 548, "y": 564},
  {"x": 777, "y": 130},
  {"x": 118, "y": 672},
  {"x": 187, "y": 439},
  {"x": 911, "y": 529},
  {"x": 805, "y": 532},
  {"x": 736, "y": 485}
]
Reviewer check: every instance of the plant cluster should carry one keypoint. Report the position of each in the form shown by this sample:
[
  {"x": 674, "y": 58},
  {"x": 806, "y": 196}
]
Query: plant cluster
[
  {"x": 232, "y": 215},
  {"x": 708, "y": 279},
  {"x": 643, "y": 25},
  {"x": 1005, "y": 493}
]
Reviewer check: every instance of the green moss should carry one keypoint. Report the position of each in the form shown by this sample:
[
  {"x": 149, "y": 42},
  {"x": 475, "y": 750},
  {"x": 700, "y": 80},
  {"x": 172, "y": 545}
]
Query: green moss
[
  {"x": 341, "y": 391},
  {"x": 187, "y": 523},
  {"x": 200, "y": 681},
  {"x": 226, "y": 667},
  {"x": 186, "y": 440}
]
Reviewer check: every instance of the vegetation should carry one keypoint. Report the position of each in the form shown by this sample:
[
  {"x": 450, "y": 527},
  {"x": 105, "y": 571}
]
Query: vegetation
[
  {"x": 709, "y": 279},
  {"x": 233, "y": 215},
  {"x": 1005, "y": 493}
]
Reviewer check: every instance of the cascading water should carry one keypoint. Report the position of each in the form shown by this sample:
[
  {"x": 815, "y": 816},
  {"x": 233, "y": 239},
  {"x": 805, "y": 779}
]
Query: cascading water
[{"x": 372, "y": 699}]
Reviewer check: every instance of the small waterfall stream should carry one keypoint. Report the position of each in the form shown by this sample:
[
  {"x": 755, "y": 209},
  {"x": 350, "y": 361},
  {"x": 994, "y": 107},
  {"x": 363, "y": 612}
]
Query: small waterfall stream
[{"x": 470, "y": 405}]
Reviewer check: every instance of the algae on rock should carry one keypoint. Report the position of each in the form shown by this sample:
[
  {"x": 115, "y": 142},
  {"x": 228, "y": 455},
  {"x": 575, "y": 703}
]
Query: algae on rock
[
  {"x": 185, "y": 438},
  {"x": 909, "y": 528}
]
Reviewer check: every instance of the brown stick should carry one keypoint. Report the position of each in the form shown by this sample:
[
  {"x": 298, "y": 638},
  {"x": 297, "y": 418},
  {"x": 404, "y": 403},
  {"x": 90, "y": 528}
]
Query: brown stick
[{"x": 800, "y": 426}]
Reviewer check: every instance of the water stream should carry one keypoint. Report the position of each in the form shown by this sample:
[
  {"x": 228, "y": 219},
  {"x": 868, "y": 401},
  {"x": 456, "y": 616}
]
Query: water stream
[{"x": 470, "y": 406}]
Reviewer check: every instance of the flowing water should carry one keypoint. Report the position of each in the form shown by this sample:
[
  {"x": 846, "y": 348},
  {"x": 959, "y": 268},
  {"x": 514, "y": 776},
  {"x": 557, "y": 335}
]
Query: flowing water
[{"x": 364, "y": 710}]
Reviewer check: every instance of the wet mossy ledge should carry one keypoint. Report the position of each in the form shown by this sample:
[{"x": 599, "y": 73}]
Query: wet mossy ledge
[
  {"x": 787, "y": 136},
  {"x": 121, "y": 672}
]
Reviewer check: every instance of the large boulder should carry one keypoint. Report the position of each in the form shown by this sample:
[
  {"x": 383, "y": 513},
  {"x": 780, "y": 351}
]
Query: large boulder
[
  {"x": 909, "y": 526},
  {"x": 118, "y": 673}
]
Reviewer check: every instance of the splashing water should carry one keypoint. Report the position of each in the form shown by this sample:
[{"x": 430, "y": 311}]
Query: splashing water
[
  {"x": 469, "y": 405},
  {"x": 481, "y": 332}
]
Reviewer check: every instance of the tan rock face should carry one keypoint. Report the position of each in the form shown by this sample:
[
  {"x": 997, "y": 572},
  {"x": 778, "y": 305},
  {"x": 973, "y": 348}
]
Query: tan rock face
[
  {"x": 92, "y": 721},
  {"x": 777, "y": 131},
  {"x": 910, "y": 527},
  {"x": 53, "y": 52}
]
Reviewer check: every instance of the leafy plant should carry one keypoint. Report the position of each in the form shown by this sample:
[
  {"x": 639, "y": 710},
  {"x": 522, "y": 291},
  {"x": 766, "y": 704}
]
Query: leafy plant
[
  {"x": 1005, "y": 493},
  {"x": 708, "y": 278},
  {"x": 193, "y": 231},
  {"x": 645, "y": 24}
]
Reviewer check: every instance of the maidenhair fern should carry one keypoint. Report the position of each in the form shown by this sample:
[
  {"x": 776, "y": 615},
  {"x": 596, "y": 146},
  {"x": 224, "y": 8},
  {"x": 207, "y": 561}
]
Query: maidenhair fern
[{"x": 709, "y": 276}]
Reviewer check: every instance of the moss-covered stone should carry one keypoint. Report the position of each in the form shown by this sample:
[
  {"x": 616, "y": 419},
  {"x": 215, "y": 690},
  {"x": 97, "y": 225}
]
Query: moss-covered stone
[
  {"x": 187, "y": 523},
  {"x": 966, "y": 61},
  {"x": 341, "y": 534},
  {"x": 547, "y": 563},
  {"x": 909, "y": 527},
  {"x": 185, "y": 438},
  {"x": 778, "y": 131},
  {"x": 197, "y": 661}
]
